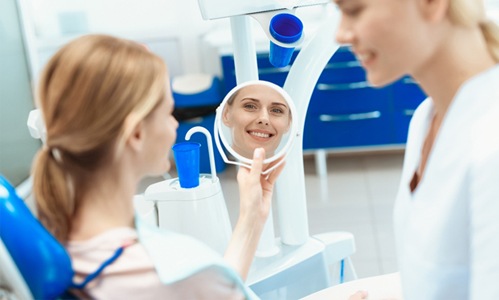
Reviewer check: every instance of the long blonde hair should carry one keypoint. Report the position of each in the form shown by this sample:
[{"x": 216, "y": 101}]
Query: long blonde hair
[
  {"x": 472, "y": 12},
  {"x": 92, "y": 93}
]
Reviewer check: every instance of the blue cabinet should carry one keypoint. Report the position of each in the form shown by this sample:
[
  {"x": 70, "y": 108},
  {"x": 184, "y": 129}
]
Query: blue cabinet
[{"x": 345, "y": 111}]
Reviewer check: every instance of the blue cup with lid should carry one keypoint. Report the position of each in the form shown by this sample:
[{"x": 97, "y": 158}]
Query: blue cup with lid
[
  {"x": 286, "y": 29},
  {"x": 186, "y": 156}
]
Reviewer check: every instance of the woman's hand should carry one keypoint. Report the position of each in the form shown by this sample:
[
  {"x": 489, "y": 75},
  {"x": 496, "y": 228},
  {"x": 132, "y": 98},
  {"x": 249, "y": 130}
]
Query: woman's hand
[{"x": 255, "y": 192}]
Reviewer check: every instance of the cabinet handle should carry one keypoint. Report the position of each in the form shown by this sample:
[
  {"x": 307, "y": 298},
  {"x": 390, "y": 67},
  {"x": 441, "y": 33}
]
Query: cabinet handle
[
  {"x": 350, "y": 117},
  {"x": 343, "y": 86},
  {"x": 274, "y": 70},
  {"x": 409, "y": 112},
  {"x": 409, "y": 80},
  {"x": 343, "y": 65},
  {"x": 336, "y": 65}
]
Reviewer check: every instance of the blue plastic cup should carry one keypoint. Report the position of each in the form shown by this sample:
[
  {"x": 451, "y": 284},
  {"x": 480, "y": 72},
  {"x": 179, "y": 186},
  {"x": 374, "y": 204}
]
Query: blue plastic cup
[
  {"x": 186, "y": 156},
  {"x": 285, "y": 28}
]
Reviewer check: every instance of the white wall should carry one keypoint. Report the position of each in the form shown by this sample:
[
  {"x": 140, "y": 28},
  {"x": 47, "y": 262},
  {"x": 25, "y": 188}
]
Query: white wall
[
  {"x": 172, "y": 28},
  {"x": 16, "y": 145}
]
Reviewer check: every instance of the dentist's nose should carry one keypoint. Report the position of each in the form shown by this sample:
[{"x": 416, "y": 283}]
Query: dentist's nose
[{"x": 344, "y": 35}]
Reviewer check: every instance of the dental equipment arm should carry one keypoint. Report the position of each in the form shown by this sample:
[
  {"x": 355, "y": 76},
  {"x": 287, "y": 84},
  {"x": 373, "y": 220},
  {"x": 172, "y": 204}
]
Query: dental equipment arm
[
  {"x": 300, "y": 84},
  {"x": 246, "y": 68}
]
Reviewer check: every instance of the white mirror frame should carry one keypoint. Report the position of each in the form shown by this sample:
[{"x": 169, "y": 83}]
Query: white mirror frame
[{"x": 241, "y": 160}]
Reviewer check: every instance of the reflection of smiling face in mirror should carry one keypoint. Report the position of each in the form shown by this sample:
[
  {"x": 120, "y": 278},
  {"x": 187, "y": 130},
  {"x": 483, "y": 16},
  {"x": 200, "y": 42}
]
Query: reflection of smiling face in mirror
[{"x": 258, "y": 116}]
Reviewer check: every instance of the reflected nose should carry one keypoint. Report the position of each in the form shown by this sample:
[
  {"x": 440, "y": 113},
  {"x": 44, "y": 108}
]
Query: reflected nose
[
  {"x": 263, "y": 118},
  {"x": 262, "y": 121}
]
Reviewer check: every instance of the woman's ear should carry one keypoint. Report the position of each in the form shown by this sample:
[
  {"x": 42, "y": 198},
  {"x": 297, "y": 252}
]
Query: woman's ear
[
  {"x": 137, "y": 137},
  {"x": 434, "y": 10},
  {"x": 226, "y": 116}
]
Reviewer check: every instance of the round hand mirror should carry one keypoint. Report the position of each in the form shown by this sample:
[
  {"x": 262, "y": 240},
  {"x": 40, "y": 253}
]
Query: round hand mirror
[{"x": 255, "y": 114}]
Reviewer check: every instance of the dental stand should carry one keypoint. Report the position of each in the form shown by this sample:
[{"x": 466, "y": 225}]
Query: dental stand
[
  {"x": 302, "y": 266},
  {"x": 247, "y": 70}
]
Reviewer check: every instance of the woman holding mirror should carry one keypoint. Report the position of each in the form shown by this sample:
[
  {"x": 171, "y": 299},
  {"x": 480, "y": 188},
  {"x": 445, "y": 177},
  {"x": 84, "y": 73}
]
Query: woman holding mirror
[{"x": 107, "y": 108}]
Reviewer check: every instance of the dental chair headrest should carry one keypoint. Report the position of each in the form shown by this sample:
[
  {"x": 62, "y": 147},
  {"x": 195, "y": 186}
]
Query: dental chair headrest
[{"x": 40, "y": 258}]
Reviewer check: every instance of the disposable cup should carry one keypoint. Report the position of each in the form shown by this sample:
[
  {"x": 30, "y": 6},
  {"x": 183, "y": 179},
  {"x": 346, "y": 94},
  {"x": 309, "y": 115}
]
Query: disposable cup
[
  {"x": 186, "y": 156},
  {"x": 287, "y": 29}
]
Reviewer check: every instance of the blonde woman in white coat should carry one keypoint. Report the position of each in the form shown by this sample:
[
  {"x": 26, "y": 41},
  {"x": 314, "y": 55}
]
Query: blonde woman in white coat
[{"x": 447, "y": 207}]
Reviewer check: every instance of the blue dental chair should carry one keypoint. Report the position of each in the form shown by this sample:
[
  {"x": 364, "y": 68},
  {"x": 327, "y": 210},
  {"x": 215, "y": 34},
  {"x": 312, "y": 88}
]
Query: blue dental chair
[{"x": 33, "y": 264}]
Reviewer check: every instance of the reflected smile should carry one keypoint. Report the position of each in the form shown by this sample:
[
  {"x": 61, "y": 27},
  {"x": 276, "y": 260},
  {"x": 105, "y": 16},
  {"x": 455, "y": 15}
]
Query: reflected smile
[{"x": 261, "y": 134}]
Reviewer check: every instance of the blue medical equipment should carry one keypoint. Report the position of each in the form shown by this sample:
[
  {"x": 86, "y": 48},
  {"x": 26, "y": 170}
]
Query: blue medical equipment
[{"x": 34, "y": 262}]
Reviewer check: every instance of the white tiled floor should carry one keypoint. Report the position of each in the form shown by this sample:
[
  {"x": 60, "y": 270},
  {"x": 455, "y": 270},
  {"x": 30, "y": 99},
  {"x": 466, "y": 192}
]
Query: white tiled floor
[{"x": 357, "y": 196}]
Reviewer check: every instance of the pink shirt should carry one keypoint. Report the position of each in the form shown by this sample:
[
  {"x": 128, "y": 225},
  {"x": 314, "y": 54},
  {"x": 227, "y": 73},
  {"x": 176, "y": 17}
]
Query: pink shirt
[{"x": 133, "y": 275}]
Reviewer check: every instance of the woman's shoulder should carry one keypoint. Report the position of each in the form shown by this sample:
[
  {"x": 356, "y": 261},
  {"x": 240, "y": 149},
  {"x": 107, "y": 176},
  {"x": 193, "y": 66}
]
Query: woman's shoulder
[
  {"x": 107, "y": 239},
  {"x": 88, "y": 255}
]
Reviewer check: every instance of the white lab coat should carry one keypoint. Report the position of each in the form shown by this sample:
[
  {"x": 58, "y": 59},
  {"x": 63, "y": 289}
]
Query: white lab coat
[{"x": 447, "y": 231}]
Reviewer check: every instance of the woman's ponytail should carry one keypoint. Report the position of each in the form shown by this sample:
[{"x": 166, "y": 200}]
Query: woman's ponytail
[
  {"x": 55, "y": 204},
  {"x": 490, "y": 31},
  {"x": 469, "y": 13}
]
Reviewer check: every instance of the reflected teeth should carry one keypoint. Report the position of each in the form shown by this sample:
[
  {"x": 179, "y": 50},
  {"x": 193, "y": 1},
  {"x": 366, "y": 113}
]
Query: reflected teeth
[{"x": 259, "y": 134}]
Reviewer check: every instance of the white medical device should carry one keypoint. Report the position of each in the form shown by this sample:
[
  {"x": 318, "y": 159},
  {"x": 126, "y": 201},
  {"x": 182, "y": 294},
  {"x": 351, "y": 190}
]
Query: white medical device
[
  {"x": 200, "y": 211},
  {"x": 214, "y": 9},
  {"x": 280, "y": 274}
]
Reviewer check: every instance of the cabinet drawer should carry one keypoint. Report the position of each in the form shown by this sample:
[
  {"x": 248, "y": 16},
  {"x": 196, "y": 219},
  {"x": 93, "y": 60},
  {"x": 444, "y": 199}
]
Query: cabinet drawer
[
  {"x": 266, "y": 71},
  {"x": 407, "y": 94},
  {"x": 343, "y": 54},
  {"x": 348, "y": 101},
  {"x": 342, "y": 72},
  {"x": 363, "y": 129},
  {"x": 401, "y": 126}
]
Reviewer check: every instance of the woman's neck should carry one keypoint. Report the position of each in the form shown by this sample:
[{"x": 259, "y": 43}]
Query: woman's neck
[
  {"x": 107, "y": 203},
  {"x": 460, "y": 57}
]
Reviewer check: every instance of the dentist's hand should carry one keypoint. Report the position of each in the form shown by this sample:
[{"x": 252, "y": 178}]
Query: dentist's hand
[{"x": 255, "y": 192}]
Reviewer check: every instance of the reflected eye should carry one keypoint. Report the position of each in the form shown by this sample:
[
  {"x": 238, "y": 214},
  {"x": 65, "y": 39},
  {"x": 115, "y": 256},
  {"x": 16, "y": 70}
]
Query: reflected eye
[
  {"x": 249, "y": 106},
  {"x": 277, "y": 110}
]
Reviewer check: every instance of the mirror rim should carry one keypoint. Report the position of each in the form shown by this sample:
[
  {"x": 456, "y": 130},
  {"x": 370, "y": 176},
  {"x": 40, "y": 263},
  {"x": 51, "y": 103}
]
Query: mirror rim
[{"x": 241, "y": 160}]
